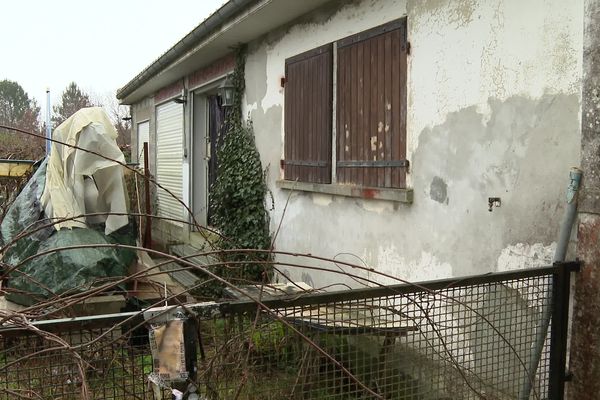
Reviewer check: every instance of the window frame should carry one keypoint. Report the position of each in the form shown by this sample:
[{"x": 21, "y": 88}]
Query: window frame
[{"x": 139, "y": 145}]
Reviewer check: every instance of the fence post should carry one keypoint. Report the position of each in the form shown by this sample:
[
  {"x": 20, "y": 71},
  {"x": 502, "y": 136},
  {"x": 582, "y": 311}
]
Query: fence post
[
  {"x": 148, "y": 232},
  {"x": 561, "y": 285}
]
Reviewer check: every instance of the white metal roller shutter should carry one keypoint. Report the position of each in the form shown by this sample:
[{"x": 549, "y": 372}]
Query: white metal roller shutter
[
  {"x": 169, "y": 153},
  {"x": 143, "y": 135}
]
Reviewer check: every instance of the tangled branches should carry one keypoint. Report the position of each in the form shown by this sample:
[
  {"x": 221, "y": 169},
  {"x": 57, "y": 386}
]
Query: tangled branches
[{"x": 275, "y": 339}]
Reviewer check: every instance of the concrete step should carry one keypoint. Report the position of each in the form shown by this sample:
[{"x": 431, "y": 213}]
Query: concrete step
[
  {"x": 183, "y": 277},
  {"x": 190, "y": 253},
  {"x": 151, "y": 288},
  {"x": 186, "y": 278},
  {"x": 203, "y": 240}
]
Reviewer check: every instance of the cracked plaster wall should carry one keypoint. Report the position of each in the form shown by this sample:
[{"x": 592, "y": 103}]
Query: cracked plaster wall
[{"x": 493, "y": 111}]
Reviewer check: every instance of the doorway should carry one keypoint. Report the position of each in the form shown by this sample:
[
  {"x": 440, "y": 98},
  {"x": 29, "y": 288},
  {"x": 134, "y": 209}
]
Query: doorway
[{"x": 209, "y": 127}]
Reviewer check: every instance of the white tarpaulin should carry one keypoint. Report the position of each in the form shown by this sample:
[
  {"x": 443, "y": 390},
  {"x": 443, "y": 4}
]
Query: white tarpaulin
[{"x": 79, "y": 182}]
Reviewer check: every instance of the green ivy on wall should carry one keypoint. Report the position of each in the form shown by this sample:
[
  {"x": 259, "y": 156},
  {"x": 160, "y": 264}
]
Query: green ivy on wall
[{"x": 238, "y": 196}]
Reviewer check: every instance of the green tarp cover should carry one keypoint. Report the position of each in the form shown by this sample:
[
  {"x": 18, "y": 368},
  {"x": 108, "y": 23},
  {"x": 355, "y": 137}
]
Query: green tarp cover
[{"x": 42, "y": 272}]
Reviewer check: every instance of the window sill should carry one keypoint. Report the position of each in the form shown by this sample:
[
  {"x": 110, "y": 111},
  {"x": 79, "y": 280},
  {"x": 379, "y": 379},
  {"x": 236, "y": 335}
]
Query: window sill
[{"x": 396, "y": 195}]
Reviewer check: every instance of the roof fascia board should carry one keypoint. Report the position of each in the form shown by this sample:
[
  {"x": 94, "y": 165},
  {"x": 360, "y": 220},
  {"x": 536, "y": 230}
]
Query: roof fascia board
[{"x": 209, "y": 26}]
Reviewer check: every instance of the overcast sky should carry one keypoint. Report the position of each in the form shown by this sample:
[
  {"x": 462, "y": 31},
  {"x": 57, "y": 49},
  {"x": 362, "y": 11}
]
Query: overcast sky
[{"x": 100, "y": 45}]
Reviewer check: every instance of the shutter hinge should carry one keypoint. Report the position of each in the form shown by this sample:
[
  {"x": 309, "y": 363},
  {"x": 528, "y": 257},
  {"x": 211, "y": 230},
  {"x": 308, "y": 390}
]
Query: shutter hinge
[
  {"x": 373, "y": 164},
  {"x": 283, "y": 81},
  {"x": 304, "y": 163}
]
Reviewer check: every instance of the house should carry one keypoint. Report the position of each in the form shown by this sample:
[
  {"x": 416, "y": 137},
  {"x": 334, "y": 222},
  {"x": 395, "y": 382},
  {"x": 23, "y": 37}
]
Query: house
[{"x": 426, "y": 139}]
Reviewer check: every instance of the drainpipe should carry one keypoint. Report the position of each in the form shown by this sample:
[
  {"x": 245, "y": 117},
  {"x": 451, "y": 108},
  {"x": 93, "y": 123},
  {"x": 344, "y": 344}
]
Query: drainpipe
[
  {"x": 584, "y": 358},
  {"x": 559, "y": 256},
  {"x": 570, "y": 215},
  {"x": 48, "y": 123}
]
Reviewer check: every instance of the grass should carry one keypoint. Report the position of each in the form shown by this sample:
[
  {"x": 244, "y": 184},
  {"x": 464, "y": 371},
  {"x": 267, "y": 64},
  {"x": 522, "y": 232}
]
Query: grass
[
  {"x": 262, "y": 362},
  {"x": 117, "y": 374}
]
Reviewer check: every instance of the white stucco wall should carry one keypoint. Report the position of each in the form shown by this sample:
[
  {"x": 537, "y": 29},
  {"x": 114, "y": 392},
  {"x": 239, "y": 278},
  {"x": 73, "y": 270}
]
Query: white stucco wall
[{"x": 493, "y": 110}]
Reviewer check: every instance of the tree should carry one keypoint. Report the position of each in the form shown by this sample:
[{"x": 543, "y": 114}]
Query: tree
[
  {"x": 14, "y": 102},
  {"x": 123, "y": 127},
  {"x": 119, "y": 115},
  {"x": 72, "y": 100},
  {"x": 30, "y": 119},
  {"x": 18, "y": 110}
]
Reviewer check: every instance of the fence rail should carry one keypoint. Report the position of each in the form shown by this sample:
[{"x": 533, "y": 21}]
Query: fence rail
[{"x": 486, "y": 336}]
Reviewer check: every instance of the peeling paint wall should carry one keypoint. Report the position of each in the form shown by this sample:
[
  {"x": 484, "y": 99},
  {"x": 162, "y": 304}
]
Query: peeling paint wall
[{"x": 493, "y": 111}]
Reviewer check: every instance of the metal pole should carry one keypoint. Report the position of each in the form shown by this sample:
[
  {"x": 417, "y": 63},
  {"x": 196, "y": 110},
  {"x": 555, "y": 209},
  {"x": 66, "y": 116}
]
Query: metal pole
[
  {"x": 561, "y": 283},
  {"x": 569, "y": 217},
  {"x": 148, "y": 230},
  {"x": 548, "y": 311},
  {"x": 48, "y": 123}
]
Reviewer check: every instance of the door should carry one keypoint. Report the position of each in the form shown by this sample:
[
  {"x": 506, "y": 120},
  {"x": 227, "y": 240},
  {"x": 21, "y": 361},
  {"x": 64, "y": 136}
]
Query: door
[
  {"x": 208, "y": 130},
  {"x": 216, "y": 130}
]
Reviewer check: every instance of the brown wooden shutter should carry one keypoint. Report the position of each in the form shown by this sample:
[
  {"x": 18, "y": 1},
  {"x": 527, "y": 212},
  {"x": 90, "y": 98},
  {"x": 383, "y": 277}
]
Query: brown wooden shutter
[
  {"x": 371, "y": 107},
  {"x": 308, "y": 113}
]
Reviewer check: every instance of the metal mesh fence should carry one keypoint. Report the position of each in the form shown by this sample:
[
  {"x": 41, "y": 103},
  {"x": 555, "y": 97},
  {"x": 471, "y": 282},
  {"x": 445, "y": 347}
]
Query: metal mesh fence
[
  {"x": 115, "y": 365},
  {"x": 470, "y": 339}
]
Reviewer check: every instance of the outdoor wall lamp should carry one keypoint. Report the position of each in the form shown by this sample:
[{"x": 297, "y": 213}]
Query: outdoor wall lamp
[
  {"x": 182, "y": 98},
  {"x": 226, "y": 91}
]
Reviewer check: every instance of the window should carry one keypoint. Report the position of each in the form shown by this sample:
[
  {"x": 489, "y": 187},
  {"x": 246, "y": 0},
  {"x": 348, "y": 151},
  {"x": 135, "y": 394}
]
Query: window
[
  {"x": 370, "y": 105},
  {"x": 143, "y": 136}
]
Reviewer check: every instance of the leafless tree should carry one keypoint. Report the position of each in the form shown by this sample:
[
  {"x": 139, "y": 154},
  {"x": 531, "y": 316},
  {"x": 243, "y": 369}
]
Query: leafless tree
[{"x": 120, "y": 116}]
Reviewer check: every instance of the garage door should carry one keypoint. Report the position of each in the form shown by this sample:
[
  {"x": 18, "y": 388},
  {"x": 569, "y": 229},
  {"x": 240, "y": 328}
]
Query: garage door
[{"x": 169, "y": 153}]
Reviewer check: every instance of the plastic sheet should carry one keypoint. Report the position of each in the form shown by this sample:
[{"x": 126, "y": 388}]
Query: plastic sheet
[
  {"x": 80, "y": 182},
  {"x": 24, "y": 218},
  {"x": 69, "y": 184},
  {"x": 55, "y": 271}
]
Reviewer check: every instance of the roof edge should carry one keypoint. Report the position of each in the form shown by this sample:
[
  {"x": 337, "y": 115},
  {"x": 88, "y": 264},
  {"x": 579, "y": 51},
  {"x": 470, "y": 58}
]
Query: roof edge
[{"x": 223, "y": 14}]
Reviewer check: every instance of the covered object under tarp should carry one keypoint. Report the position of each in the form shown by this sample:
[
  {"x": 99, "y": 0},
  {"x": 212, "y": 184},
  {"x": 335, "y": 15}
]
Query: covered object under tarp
[{"x": 51, "y": 211}]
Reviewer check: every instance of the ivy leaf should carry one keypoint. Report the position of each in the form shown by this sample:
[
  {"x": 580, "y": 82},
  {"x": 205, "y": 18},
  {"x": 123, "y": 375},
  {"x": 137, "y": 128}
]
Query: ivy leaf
[{"x": 238, "y": 196}]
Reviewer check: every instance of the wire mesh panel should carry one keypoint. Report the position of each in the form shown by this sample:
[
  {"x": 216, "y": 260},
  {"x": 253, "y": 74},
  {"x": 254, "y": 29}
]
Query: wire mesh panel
[
  {"x": 53, "y": 365},
  {"x": 485, "y": 337}
]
